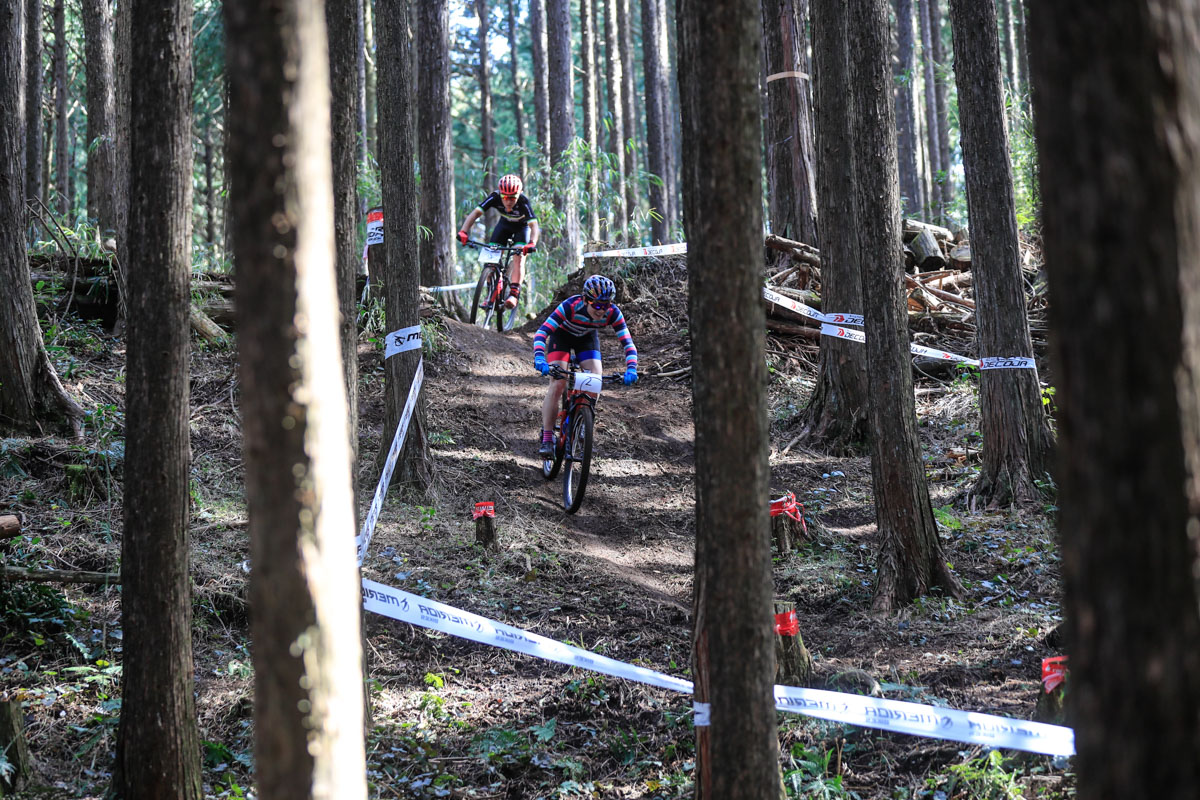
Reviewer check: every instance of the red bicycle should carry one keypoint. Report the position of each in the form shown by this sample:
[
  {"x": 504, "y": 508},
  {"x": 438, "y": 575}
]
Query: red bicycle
[
  {"x": 491, "y": 290},
  {"x": 573, "y": 431}
]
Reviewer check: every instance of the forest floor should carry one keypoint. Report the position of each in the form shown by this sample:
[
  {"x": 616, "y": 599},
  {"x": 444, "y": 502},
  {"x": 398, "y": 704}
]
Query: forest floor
[{"x": 457, "y": 719}]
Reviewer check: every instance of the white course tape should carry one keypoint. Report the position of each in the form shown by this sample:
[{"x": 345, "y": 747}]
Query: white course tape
[
  {"x": 867, "y": 712},
  {"x": 454, "y": 288},
  {"x": 843, "y": 333},
  {"x": 703, "y": 714},
  {"x": 363, "y": 540},
  {"x": 416, "y": 610},
  {"x": 845, "y": 319},
  {"x": 402, "y": 341},
  {"x": 778, "y": 299},
  {"x": 790, "y": 74},
  {"x": 858, "y": 336},
  {"x": 1011, "y": 362},
  {"x": 657, "y": 250}
]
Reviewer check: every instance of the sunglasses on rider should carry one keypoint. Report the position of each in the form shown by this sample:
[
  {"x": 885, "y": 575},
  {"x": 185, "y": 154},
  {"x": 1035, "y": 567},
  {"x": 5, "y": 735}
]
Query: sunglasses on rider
[
  {"x": 508, "y": 196},
  {"x": 600, "y": 305}
]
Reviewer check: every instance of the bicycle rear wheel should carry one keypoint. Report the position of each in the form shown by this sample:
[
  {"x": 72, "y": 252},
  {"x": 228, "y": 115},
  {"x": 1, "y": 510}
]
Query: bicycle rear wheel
[
  {"x": 485, "y": 289},
  {"x": 577, "y": 459},
  {"x": 505, "y": 316},
  {"x": 550, "y": 466}
]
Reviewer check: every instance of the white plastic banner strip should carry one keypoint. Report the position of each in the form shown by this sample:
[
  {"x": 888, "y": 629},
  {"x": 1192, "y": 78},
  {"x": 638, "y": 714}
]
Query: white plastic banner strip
[
  {"x": 702, "y": 714},
  {"x": 858, "y": 336},
  {"x": 845, "y": 319},
  {"x": 1012, "y": 362},
  {"x": 657, "y": 250},
  {"x": 416, "y": 610},
  {"x": 772, "y": 296},
  {"x": 402, "y": 341},
  {"x": 363, "y": 540},
  {"x": 374, "y": 227},
  {"x": 867, "y": 712},
  {"x": 454, "y": 288},
  {"x": 839, "y": 332},
  {"x": 790, "y": 74}
]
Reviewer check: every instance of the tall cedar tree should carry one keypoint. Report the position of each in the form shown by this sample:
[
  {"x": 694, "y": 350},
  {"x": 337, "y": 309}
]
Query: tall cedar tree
[
  {"x": 158, "y": 743},
  {"x": 733, "y": 654},
  {"x": 587, "y": 60},
  {"x": 397, "y": 154},
  {"x": 33, "y": 100},
  {"x": 342, "y": 24},
  {"x": 615, "y": 83},
  {"x": 561, "y": 91},
  {"x": 906, "y": 122},
  {"x": 835, "y": 420},
  {"x": 484, "y": 74},
  {"x": 1016, "y": 437},
  {"x": 101, "y": 116},
  {"x": 1116, "y": 91},
  {"x": 910, "y": 560},
  {"x": 541, "y": 93},
  {"x": 30, "y": 393},
  {"x": 657, "y": 94},
  {"x": 946, "y": 186},
  {"x": 630, "y": 144},
  {"x": 515, "y": 77},
  {"x": 933, "y": 197},
  {"x": 62, "y": 129},
  {"x": 308, "y": 696},
  {"x": 434, "y": 146},
  {"x": 791, "y": 187}
]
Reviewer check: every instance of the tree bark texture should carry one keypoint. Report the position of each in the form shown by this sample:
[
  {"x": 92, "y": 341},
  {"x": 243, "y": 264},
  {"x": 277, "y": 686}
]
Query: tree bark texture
[
  {"x": 515, "y": 76},
  {"x": 835, "y": 419},
  {"x": 932, "y": 148},
  {"x": 434, "y": 147},
  {"x": 541, "y": 93},
  {"x": 33, "y": 100},
  {"x": 561, "y": 91},
  {"x": 906, "y": 120},
  {"x": 370, "y": 48},
  {"x": 158, "y": 743},
  {"x": 360, "y": 61},
  {"x": 1016, "y": 436},
  {"x": 633, "y": 195},
  {"x": 486, "y": 134},
  {"x": 946, "y": 187},
  {"x": 615, "y": 83},
  {"x": 303, "y": 583},
  {"x": 791, "y": 187},
  {"x": 1116, "y": 93},
  {"x": 733, "y": 649},
  {"x": 397, "y": 151},
  {"x": 1008, "y": 55},
  {"x": 587, "y": 60},
  {"x": 62, "y": 130},
  {"x": 909, "y": 561},
  {"x": 657, "y": 95},
  {"x": 101, "y": 116},
  {"x": 342, "y": 23}
]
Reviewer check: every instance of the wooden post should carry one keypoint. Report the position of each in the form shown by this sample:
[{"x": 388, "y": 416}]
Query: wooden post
[
  {"x": 485, "y": 526},
  {"x": 793, "y": 663},
  {"x": 787, "y": 522},
  {"x": 10, "y": 526},
  {"x": 14, "y": 746}
]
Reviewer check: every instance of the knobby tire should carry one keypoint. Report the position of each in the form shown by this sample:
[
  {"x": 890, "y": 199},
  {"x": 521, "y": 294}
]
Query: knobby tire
[
  {"x": 578, "y": 459},
  {"x": 485, "y": 287}
]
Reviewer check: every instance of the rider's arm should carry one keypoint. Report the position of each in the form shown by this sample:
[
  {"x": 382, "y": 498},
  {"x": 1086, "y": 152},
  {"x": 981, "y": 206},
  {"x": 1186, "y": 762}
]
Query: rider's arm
[
  {"x": 475, "y": 214},
  {"x": 535, "y": 232},
  {"x": 619, "y": 327},
  {"x": 548, "y": 327}
]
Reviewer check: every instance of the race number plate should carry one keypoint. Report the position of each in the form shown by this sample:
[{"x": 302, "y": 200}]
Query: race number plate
[
  {"x": 588, "y": 382},
  {"x": 489, "y": 256}
]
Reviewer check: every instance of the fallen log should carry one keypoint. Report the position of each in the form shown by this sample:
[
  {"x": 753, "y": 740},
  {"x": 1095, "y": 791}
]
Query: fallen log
[
  {"x": 926, "y": 252},
  {"x": 208, "y": 330},
  {"x": 59, "y": 576},
  {"x": 914, "y": 226},
  {"x": 960, "y": 256},
  {"x": 792, "y": 329},
  {"x": 799, "y": 250},
  {"x": 938, "y": 293}
]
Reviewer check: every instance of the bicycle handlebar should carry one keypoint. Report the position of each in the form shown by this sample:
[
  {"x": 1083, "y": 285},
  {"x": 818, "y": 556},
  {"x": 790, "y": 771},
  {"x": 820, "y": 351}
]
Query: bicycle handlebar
[
  {"x": 510, "y": 248},
  {"x": 558, "y": 373}
]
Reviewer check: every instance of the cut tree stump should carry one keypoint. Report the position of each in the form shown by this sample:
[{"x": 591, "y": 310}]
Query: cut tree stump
[
  {"x": 793, "y": 662},
  {"x": 485, "y": 526},
  {"x": 914, "y": 226},
  {"x": 926, "y": 252},
  {"x": 786, "y": 531},
  {"x": 14, "y": 747},
  {"x": 10, "y": 526}
]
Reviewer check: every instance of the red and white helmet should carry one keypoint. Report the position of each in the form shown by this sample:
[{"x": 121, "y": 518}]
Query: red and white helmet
[{"x": 510, "y": 184}]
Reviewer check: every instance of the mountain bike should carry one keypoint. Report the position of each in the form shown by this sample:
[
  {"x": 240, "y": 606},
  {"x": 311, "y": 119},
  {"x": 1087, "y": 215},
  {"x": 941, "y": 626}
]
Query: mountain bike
[
  {"x": 573, "y": 431},
  {"x": 491, "y": 290}
]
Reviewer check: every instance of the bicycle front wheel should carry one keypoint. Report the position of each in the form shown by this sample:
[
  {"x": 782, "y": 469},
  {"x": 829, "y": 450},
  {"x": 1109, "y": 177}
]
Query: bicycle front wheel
[
  {"x": 505, "y": 316},
  {"x": 577, "y": 459},
  {"x": 485, "y": 289}
]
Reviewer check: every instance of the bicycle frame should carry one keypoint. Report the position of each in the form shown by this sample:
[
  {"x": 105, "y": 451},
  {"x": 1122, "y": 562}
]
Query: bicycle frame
[
  {"x": 491, "y": 289},
  {"x": 578, "y": 409}
]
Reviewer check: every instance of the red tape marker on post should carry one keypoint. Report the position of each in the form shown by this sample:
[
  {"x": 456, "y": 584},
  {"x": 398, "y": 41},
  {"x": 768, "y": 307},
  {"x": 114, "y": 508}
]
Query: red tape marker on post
[
  {"x": 788, "y": 505},
  {"x": 484, "y": 510},
  {"x": 1054, "y": 672},
  {"x": 787, "y": 624}
]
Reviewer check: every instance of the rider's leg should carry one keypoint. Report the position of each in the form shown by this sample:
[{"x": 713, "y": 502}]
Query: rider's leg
[
  {"x": 550, "y": 405},
  {"x": 515, "y": 275},
  {"x": 589, "y": 360}
]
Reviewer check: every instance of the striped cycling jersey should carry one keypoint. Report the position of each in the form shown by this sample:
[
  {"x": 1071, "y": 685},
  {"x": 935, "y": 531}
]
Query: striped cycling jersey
[{"x": 572, "y": 316}]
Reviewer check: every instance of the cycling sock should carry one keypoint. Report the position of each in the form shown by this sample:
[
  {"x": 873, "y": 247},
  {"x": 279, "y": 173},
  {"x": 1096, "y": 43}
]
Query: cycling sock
[
  {"x": 547, "y": 436},
  {"x": 514, "y": 289}
]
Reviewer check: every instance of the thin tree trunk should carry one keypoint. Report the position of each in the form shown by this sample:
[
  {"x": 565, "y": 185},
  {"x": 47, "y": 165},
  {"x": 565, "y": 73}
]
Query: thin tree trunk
[
  {"x": 434, "y": 146},
  {"x": 33, "y": 100},
  {"x": 615, "y": 80},
  {"x": 397, "y": 148},
  {"x": 733, "y": 660},
  {"x": 371, "y": 81},
  {"x": 308, "y": 704},
  {"x": 1022, "y": 48},
  {"x": 1120, "y": 196},
  {"x": 486, "y": 133},
  {"x": 905, "y": 116},
  {"x": 1008, "y": 61},
  {"x": 587, "y": 41},
  {"x": 1016, "y": 437},
  {"x": 360, "y": 51},
  {"x": 513, "y": 65},
  {"x": 910, "y": 560},
  {"x": 936, "y": 168},
  {"x": 541, "y": 97},
  {"x": 561, "y": 91},
  {"x": 158, "y": 741},
  {"x": 62, "y": 134},
  {"x": 654, "y": 67},
  {"x": 835, "y": 420},
  {"x": 101, "y": 107},
  {"x": 210, "y": 194},
  {"x": 630, "y": 144},
  {"x": 943, "y": 113}
]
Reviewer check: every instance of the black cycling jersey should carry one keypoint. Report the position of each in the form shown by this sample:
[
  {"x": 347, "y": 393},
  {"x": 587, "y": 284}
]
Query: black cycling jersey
[{"x": 521, "y": 214}]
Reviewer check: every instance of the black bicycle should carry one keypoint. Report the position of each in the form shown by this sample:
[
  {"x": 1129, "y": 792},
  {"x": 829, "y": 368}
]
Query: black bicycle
[
  {"x": 491, "y": 290},
  {"x": 573, "y": 431}
]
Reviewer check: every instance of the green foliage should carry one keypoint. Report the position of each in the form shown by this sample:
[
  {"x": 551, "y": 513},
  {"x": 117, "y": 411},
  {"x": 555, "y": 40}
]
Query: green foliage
[
  {"x": 34, "y": 613},
  {"x": 946, "y": 518},
  {"x": 988, "y": 777},
  {"x": 806, "y": 775}
]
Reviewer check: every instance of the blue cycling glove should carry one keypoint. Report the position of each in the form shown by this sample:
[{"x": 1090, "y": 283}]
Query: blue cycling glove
[
  {"x": 539, "y": 363},
  {"x": 631, "y": 375}
]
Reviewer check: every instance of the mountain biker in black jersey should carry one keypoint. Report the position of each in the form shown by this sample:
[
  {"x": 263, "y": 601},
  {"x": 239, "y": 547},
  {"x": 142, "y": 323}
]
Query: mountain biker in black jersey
[
  {"x": 516, "y": 214},
  {"x": 575, "y": 325}
]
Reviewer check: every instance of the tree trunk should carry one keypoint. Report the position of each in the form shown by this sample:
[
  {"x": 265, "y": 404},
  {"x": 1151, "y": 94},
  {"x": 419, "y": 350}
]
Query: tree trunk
[
  {"x": 835, "y": 420},
  {"x": 654, "y": 68},
  {"x": 122, "y": 53},
  {"x": 633, "y": 198},
  {"x": 486, "y": 133},
  {"x": 587, "y": 47},
  {"x": 397, "y": 153},
  {"x": 30, "y": 393},
  {"x": 1022, "y": 48},
  {"x": 210, "y": 193},
  {"x": 360, "y": 61},
  {"x": 791, "y": 188},
  {"x": 733, "y": 659},
  {"x": 371, "y": 79},
  {"x": 33, "y": 100},
  {"x": 62, "y": 134},
  {"x": 158, "y": 742},
  {"x": 308, "y": 700},
  {"x": 101, "y": 108},
  {"x": 1016, "y": 437},
  {"x": 13, "y": 744},
  {"x": 341, "y": 23},
  {"x": 1008, "y": 55},
  {"x": 434, "y": 147},
  {"x": 937, "y": 170},
  {"x": 910, "y": 560},
  {"x": 906, "y": 122},
  {"x": 562, "y": 121},
  {"x": 1120, "y": 229},
  {"x": 615, "y": 81},
  {"x": 513, "y": 63},
  {"x": 943, "y": 113},
  {"x": 541, "y": 95}
]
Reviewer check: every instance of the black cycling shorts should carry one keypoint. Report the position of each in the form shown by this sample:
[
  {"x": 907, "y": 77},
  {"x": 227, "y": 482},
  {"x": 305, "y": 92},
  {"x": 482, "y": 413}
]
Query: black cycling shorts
[
  {"x": 585, "y": 347},
  {"x": 506, "y": 230}
]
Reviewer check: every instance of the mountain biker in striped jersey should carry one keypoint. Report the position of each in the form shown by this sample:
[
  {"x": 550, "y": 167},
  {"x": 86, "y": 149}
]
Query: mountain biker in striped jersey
[
  {"x": 515, "y": 215},
  {"x": 575, "y": 325}
]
